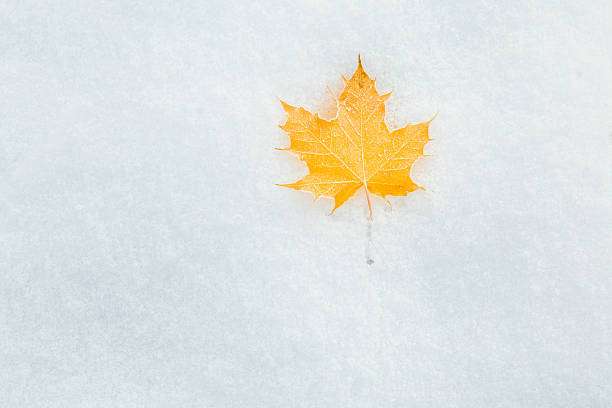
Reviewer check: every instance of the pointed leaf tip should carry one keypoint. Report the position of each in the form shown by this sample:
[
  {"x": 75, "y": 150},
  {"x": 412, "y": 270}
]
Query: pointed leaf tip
[
  {"x": 386, "y": 96},
  {"x": 359, "y": 64},
  {"x": 286, "y": 106},
  {"x": 289, "y": 185}
]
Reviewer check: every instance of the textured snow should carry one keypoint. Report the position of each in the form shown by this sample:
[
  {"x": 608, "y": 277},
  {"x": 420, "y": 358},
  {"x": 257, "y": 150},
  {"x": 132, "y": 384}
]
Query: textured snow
[{"x": 147, "y": 258}]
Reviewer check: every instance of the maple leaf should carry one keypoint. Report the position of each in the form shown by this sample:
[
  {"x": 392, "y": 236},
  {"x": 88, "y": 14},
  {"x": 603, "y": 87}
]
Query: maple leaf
[{"x": 355, "y": 148}]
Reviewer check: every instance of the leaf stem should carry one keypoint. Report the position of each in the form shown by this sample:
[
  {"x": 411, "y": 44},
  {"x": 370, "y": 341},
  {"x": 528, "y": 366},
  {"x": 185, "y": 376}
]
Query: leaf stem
[{"x": 365, "y": 184}]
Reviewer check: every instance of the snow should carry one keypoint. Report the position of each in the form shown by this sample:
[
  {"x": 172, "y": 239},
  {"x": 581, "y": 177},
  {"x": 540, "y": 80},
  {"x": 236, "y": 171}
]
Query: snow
[{"x": 147, "y": 258}]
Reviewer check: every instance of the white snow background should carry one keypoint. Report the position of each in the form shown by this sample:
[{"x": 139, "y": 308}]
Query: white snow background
[{"x": 147, "y": 258}]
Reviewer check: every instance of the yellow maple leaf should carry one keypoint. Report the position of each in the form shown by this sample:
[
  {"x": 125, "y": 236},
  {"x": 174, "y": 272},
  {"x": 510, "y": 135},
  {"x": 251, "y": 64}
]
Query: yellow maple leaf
[{"x": 355, "y": 148}]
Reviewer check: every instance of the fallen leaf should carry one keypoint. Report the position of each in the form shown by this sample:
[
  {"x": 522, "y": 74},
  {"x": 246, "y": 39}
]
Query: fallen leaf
[{"x": 355, "y": 148}]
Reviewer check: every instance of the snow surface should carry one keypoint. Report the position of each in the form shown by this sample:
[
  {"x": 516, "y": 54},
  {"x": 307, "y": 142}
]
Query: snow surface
[{"x": 147, "y": 258}]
